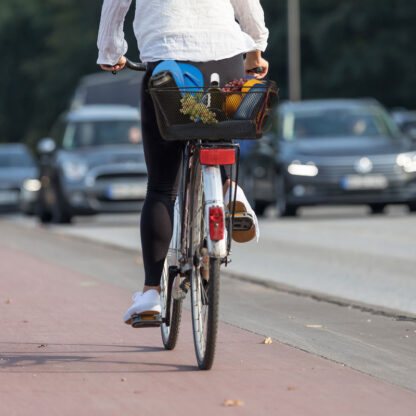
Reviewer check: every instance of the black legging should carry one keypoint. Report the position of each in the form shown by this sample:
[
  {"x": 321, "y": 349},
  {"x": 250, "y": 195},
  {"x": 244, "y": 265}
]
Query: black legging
[{"x": 163, "y": 160}]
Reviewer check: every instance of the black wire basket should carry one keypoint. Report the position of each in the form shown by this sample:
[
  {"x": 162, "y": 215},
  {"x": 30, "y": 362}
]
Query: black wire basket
[{"x": 204, "y": 113}]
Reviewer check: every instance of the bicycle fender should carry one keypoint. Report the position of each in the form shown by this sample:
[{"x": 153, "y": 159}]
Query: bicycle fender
[{"x": 213, "y": 196}]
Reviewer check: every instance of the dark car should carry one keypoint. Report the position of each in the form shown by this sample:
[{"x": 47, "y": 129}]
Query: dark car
[
  {"x": 332, "y": 152},
  {"x": 93, "y": 163},
  {"x": 18, "y": 177}
]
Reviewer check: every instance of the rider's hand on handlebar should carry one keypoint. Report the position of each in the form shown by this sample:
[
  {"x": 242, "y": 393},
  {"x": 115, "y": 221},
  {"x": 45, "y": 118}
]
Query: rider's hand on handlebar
[
  {"x": 255, "y": 60},
  {"x": 117, "y": 67}
]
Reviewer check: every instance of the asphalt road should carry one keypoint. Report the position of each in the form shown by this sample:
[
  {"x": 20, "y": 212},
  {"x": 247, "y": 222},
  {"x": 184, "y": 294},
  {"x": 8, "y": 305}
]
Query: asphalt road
[
  {"x": 340, "y": 253},
  {"x": 374, "y": 340}
]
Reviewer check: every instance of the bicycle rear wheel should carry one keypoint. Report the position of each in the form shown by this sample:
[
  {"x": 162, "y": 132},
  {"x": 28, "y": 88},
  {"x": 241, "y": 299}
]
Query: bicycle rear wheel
[
  {"x": 204, "y": 283},
  {"x": 169, "y": 333}
]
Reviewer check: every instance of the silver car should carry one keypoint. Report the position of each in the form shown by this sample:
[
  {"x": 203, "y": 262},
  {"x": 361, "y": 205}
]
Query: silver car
[
  {"x": 93, "y": 163},
  {"x": 18, "y": 177}
]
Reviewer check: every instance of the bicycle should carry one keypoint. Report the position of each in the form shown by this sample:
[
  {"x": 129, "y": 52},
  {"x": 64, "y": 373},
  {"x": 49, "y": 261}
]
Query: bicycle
[{"x": 203, "y": 223}]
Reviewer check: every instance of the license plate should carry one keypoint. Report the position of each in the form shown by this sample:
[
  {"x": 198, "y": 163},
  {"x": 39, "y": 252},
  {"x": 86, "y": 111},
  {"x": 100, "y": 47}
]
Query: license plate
[
  {"x": 359, "y": 182},
  {"x": 126, "y": 191},
  {"x": 9, "y": 197}
]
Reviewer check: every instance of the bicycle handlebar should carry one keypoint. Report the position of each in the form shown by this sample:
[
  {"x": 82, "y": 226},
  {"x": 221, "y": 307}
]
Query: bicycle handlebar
[
  {"x": 257, "y": 70},
  {"x": 140, "y": 66},
  {"x": 135, "y": 66}
]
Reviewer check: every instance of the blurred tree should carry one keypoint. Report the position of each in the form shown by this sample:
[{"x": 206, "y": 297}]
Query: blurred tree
[
  {"x": 22, "y": 33},
  {"x": 349, "y": 48},
  {"x": 356, "y": 49},
  {"x": 49, "y": 45},
  {"x": 276, "y": 53}
]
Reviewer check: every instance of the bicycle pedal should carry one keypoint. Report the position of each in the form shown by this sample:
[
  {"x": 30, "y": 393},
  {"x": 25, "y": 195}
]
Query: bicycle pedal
[
  {"x": 242, "y": 221},
  {"x": 146, "y": 321}
]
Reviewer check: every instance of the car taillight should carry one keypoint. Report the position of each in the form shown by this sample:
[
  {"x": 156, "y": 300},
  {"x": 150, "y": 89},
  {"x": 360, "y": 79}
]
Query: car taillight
[
  {"x": 216, "y": 223},
  {"x": 217, "y": 157}
]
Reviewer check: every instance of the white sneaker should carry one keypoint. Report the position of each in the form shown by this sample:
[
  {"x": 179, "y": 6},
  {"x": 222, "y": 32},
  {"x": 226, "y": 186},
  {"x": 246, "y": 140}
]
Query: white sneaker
[
  {"x": 148, "y": 302},
  {"x": 242, "y": 207}
]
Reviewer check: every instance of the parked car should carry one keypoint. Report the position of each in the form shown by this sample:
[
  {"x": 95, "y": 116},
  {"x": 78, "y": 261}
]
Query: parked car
[
  {"x": 92, "y": 163},
  {"x": 18, "y": 177},
  {"x": 332, "y": 152}
]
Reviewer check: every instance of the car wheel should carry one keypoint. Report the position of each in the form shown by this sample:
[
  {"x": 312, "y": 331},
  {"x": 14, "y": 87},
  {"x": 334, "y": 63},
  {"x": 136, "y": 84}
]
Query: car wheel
[
  {"x": 60, "y": 213},
  {"x": 44, "y": 216},
  {"x": 377, "y": 208},
  {"x": 284, "y": 209},
  {"x": 41, "y": 211},
  {"x": 412, "y": 206},
  {"x": 260, "y": 207}
]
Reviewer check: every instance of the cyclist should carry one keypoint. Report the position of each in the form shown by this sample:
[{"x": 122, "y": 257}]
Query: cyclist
[{"x": 210, "y": 34}]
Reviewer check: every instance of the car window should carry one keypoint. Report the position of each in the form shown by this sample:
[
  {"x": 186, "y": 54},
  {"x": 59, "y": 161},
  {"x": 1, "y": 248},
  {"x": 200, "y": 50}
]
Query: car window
[
  {"x": 102, "y": 133},
  {"x": 346, "y": 122},
  {"x": 15, "y": 160}
]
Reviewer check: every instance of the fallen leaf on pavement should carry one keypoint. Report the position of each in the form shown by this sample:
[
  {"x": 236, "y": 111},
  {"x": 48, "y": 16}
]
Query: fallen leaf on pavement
[
  {"x": 123, "y": 379},
  {"x": 314, "y": 326},
  {"x": 267, "y": 340},
  {"x": 230, "y": 403},
  {"x": 42, "y": 345},
  {"x": 9, "y": 301},
  {"x": 291, "y": 388}
]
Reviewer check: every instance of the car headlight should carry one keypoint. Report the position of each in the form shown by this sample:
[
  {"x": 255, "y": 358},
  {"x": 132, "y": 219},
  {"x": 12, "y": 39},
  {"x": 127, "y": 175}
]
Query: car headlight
[
  {"x": 302, "y": 169},
  {"x": 32, "y": 185},
  {"x": 407, "y": 161},
  {"x": 74, "y": 170}
]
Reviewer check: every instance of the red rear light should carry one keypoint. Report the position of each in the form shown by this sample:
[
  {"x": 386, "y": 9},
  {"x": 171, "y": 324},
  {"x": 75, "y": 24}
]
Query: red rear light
[
  {"x": 216, "y": 223},
  {"x": 217, "y": 157}
]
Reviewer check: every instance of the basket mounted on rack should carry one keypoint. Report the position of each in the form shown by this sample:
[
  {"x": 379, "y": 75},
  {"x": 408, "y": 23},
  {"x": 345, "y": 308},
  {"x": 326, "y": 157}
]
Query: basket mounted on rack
[{"x": 187, "y": 113}]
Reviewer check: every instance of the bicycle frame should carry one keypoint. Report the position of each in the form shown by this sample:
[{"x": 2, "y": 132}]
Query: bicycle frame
[{"x": 179, "y": 254}]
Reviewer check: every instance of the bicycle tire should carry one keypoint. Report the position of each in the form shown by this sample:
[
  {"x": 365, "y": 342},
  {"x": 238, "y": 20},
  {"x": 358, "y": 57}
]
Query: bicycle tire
[
  {"x": 169, "y": 333},
  {"x": 205, "y": 349},
  {"x": 204, "y": 294}
]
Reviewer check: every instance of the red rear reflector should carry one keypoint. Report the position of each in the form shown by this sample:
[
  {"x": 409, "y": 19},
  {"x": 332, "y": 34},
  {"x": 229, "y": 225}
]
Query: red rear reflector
[
  {"x": 216, "y": 223},
  {"x": 217, "y": 157}
]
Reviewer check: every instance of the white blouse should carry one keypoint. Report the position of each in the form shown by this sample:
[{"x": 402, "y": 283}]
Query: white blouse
[{"x": 185, "y": 30}]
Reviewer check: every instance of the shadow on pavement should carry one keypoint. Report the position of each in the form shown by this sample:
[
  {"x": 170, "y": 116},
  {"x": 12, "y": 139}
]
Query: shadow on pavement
[{"x": 53, "y": 361}]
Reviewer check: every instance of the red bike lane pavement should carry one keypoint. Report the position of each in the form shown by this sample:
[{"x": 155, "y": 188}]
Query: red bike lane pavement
[{"x": 65, "y": 351}]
